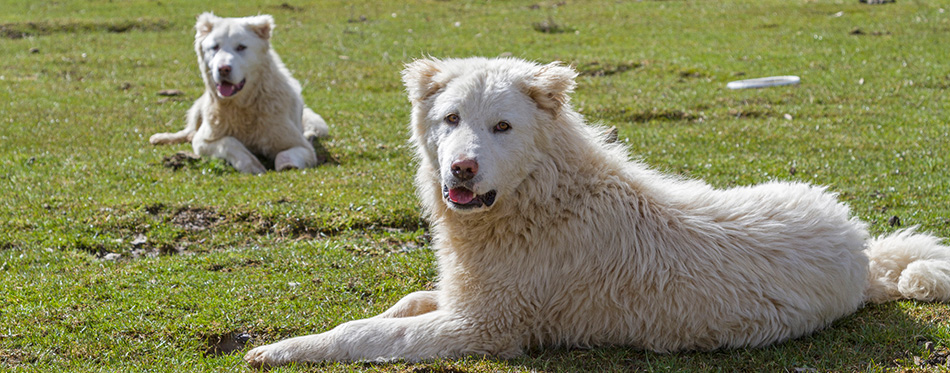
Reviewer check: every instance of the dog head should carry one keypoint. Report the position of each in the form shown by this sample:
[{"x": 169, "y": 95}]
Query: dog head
[
  {"x": 477, "y": 123},
  {"x": 230, "y": 50}
]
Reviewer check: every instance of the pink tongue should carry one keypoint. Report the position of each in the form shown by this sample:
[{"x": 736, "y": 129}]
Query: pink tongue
[
  {"x": 461, "y": 196},
  {"x": 226, "y": 89}
]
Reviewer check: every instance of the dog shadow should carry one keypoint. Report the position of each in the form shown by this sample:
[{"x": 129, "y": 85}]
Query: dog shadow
[
  {"x": 877, "y": 335},
  {"x": 324, "y": 157}
]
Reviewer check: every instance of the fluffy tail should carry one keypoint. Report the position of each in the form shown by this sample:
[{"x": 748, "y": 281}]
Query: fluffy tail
[
  {"x": 908, "y": 265},
  {"x": 313, "y": 125}
]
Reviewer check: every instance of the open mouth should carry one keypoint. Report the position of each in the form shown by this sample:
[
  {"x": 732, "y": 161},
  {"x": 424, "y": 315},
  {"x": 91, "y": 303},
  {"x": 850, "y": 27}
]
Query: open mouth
[
  {"x": 464, "y": 198},
  {"x": 228, "y": 89}
]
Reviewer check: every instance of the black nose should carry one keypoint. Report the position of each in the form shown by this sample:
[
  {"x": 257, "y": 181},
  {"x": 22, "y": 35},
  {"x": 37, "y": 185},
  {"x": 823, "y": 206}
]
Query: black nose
[
  {"x": 224, "y": 70},
  {"x": 464, "y": 169}
]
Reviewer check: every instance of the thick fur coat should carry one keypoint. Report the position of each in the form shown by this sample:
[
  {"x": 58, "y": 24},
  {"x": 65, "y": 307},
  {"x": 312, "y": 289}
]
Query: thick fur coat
[
  {"x": 252, "y": 106},
  {"x": 546, "y": 234}
]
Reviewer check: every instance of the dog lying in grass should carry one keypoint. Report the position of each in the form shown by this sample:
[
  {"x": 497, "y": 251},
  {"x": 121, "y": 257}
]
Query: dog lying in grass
[
  {"x": 546, "y": 234},
  {"x": 252, "y": 105}
]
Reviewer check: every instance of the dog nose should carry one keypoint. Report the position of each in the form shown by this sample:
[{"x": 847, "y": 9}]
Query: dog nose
[
  {"x": 224, "y": 70},
  {"x": 464, "y": 169}
]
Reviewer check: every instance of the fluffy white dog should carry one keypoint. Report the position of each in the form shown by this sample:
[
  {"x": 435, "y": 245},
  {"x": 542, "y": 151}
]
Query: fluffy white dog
[
  {"x": 548, "y": 235},
  {"x": 252, "y": 105}
]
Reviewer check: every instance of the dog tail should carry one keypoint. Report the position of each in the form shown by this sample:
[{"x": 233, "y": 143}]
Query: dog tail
[
  {"x": 313, "y": 125},
  {"x": 908, "y": 265}
]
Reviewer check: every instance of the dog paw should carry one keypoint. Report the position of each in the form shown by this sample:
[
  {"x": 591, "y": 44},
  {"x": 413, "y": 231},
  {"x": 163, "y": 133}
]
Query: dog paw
[
  {"x": 159, "y": 139},
  {"x": 287, "y": 162},
  {"x": 267, "y": 356}
]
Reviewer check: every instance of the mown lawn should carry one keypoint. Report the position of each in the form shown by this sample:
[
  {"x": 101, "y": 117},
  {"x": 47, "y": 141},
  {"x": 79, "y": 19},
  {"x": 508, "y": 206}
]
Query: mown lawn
[{"x": 111, "y": 259}]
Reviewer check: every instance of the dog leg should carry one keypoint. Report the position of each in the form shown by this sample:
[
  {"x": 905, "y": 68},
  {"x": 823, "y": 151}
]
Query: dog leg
[
  {"x": 437, "y": 334},
  {"x": 171, "y": 138},
  {"x": 416, "y": 303},
  {"x": 299, "y": 157},
  {"x": 192, "y": 122},
  {"x": 231, "y": 150}
]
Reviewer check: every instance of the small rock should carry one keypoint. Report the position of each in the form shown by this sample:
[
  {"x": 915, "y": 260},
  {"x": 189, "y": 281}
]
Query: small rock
[
  {"x": 242, "y": 338},
  {"x": 894, "y": 221},
  {"x": 111, "y": 256},
  {"x": 34, "y": 50},
  {"x": 139, "y": 240}
]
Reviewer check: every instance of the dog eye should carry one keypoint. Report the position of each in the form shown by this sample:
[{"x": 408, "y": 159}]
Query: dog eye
[
  {"x": 215, "y": 47},
  {"x": 502, "y": 126},
  {"x": 241, "y": 47},
  {"x": 452, "y": 119}
]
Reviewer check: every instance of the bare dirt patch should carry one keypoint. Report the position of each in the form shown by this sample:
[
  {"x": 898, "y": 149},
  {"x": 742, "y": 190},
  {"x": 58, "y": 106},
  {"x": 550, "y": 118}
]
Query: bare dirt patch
[
  {"x": 550, "y": 26},
  {"x": 288, "y": 7},
  {"x": 225, "y": 344},
  {"x": 597, "y": 69},
  {"x": 655, "y": 114},
  {"x": 21, "y": 30},
  {"x": 179, "y": 160},
  {"x": 195, "y": 219}
]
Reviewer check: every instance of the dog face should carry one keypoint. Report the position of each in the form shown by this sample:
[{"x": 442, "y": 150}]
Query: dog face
[
  {"x": 476, "y": 122},
  {"x": 230, "y": 49}
]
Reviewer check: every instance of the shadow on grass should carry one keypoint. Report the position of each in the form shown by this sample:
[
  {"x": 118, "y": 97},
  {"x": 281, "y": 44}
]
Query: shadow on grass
[{"x": 877, "y": 335}]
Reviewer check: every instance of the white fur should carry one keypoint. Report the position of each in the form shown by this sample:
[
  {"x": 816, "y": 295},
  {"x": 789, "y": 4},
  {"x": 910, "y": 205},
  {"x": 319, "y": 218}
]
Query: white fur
[
  {"x": 584, "y": 247},
  {"x": 265, "y": 118}
]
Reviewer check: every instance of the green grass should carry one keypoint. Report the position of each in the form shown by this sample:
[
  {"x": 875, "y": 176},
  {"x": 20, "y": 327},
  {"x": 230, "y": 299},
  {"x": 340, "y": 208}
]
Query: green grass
[{"x": 284, "y": 254}]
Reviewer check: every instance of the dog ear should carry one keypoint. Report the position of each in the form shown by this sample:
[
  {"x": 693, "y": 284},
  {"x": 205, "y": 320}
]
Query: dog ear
[
  {"x": 550, "y": 86},
  {"x": 262, "y": 25},
  {"x": 205, "y": 23},
  {"x": 418, "y": 78}
]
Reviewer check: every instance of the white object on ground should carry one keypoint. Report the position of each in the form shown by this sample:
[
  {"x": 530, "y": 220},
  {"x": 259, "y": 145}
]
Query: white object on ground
[{"x": 764, "y": 82}]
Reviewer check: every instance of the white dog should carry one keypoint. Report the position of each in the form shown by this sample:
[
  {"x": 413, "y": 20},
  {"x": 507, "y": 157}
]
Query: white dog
[
  {"x": 251, "y": 105},
  {"x": 548, "y": 235}
]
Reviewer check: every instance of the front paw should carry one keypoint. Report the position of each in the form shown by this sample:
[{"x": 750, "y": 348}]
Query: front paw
[
  {"x": 284, "y": 161},
  {"x": 267, "y": 356}
]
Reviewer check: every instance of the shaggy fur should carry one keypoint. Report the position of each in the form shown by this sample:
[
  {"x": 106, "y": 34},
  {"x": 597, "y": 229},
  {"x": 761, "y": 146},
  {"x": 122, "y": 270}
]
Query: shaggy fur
[
  {"x": 548, "y": 235},
  {"x": 252, "y": 105}
]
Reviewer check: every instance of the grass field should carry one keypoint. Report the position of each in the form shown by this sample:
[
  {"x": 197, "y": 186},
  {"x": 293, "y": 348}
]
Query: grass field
[{"x": 112, "y": 260}]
